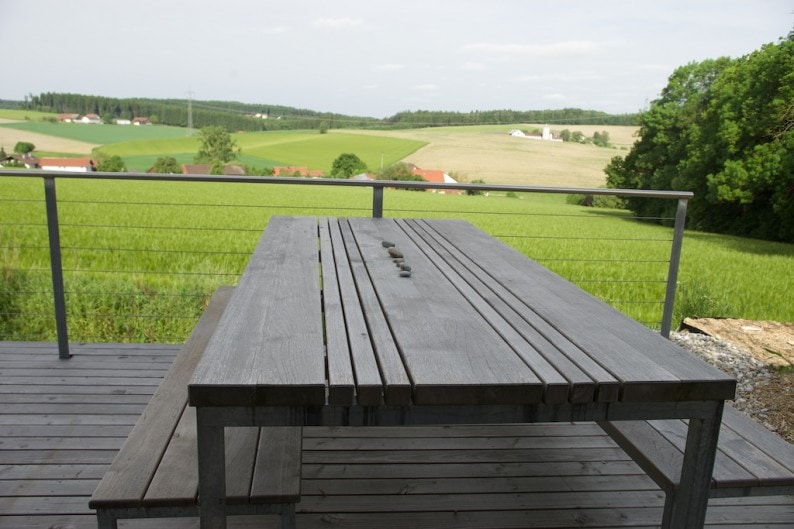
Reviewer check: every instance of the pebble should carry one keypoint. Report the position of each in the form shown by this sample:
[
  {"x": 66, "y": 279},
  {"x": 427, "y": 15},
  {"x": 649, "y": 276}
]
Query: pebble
[
  {"x": 394, "y": 252},
  {"x": 736, "y": 362}
]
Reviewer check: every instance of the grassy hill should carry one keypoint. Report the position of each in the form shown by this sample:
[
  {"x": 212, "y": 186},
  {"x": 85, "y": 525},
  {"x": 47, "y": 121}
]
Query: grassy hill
[{"x": 485, "y": 152}]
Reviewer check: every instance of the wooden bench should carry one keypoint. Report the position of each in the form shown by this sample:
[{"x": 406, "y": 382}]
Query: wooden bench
[
  {"x": 750, "y": 460},
  {"x": 155, "y": 474}
]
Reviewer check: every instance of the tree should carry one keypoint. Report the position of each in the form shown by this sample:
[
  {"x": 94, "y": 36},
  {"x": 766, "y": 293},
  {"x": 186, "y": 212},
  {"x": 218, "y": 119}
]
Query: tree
[
  {"x": 166, "y": 165},
  {"x": 217, "y": 146},
  {"x": 113, "y": 164},
  {"x": 347, "y": 165},
  {"x": 723, "y": 129},
  {"x": 399, "y": 171},
  {"x": 24, "y": 147},
  {"x": 601, "y": 139}
]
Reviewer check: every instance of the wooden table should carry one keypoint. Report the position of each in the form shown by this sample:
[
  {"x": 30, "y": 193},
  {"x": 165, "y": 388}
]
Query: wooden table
[{"x": 324, "y": 330}]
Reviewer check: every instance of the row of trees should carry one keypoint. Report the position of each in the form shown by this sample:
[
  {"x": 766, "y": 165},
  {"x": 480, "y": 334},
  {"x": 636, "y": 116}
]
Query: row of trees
[
  {"x": 723, "y": 129},
  {"x": 228, "y": 114},
  {"x": 233, "y": 115},
  {"x": 428, "y": 118}
]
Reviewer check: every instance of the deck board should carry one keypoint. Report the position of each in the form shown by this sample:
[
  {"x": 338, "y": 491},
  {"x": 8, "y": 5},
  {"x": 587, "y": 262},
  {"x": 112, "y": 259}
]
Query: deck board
[{"x": 57, "y": 439}]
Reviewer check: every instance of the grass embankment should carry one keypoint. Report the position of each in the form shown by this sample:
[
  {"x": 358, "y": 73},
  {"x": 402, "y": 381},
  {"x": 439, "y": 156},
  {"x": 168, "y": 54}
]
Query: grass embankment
[{"x": 141, "y": 272}]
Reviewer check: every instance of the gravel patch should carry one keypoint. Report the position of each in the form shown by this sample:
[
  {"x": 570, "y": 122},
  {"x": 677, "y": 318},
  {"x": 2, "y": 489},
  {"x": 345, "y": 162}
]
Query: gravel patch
[{"x": 749, "y": 373}]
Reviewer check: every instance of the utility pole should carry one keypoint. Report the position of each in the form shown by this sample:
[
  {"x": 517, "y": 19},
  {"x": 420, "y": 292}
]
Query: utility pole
[{"x": 189, "y": 112}]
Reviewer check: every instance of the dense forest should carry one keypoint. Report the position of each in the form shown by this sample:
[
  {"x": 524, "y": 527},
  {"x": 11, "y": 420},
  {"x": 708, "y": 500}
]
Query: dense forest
[
  {"x": 235, "y": 116},
  {"x": 723, "y": 129}
]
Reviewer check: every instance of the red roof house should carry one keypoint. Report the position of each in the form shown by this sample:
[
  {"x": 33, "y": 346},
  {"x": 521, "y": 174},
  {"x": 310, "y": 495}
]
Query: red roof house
[{"x": 75, "y": 165}]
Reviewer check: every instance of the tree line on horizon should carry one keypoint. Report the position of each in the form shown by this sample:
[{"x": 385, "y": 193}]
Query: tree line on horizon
[{"x": 235, "y": 116}]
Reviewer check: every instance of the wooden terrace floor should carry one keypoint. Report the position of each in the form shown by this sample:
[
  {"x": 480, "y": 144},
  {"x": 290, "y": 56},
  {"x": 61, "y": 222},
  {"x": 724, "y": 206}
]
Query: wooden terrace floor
[{"x": 61, "y": 423}]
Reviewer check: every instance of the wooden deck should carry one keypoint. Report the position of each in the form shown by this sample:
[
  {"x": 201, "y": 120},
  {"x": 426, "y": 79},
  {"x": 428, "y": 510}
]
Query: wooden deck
[{"x": 61, "y": 423}]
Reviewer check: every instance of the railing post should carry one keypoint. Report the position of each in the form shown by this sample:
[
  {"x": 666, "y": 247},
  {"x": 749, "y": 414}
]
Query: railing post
[
  {"x": 57, "y": 270},
  {"x": 377, "y": 202},
  {"x": 675, "y": 261}
]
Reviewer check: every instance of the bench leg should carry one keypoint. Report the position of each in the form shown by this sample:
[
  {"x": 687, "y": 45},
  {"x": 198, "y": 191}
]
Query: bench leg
[
  {"x": 288, "y": 517},
  {"x": 667, "y": 514},
  {"x": 212, "y": 473},
  {"x": 688, "y": 505},
  {"x": 106, "y": 520}
]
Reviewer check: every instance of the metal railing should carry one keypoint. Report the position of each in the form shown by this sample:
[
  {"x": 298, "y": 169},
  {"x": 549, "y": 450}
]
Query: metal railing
[{"x": 371, "y": 207}]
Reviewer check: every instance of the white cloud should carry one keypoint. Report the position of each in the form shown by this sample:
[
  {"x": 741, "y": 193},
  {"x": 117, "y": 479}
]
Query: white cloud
[
  {"x": 388, "y": 67},
  {"x": 583, "y": 75},
  {"x": 473, "y": 66},
  {"x": 554, "y": 49},
  {"x": 338, "y": 23},
  {"x": 554, "y": 97},
  {"x": 274, "y": 31},
  {"x": 426, "y": 87}
]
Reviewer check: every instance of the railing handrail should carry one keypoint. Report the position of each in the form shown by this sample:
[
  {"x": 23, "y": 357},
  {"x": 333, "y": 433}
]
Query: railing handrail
[
  {"x": 377, "y": 187},
  {"x": 401, "y": 184}
]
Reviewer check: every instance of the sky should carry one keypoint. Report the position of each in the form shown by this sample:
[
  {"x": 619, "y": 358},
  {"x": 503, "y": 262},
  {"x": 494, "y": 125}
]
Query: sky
[{"x": 376, "y": 58}]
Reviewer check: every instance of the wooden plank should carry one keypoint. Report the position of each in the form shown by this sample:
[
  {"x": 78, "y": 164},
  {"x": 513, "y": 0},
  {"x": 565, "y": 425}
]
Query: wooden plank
[
  {"x": 268, "y": 346},
  {"x": 175, "y": 478},
  {"x": 68, "y": 389},
  {"x": 770, "y": 444},
  {"x": 474, "y": 502},
  {"x": 459, "y": 443},
  {"x": 61, "y": 443},
  {"x": 397, "y": 386},
  {"x": 126, "y": 481},
  {"x": 461, "y": 430},
  {"x": 560, "y": 384},
  {"x": 341, "y": 382},
  {"x": 588, "y": 380},
  {"x": 46, "y": 487},
  {"x": 455, "y": 456},
  {"x": 77, "y": 398},
  {"x": 57, "y": 457},
  {"x": 277, "y": 476},
  {"x": 370, "y": 388},
  {"x": 441, "y": 338},
  {"x": 527, "y": 484},
  {"x": 650, "y": 367},
  {"x": 44, "y": 471},
  {"x": 65, "y": 419},
  {"x": 81, "y": 409}
]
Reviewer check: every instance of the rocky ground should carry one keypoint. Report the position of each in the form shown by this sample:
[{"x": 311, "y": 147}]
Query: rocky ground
[{"x": 765, "y": 390}]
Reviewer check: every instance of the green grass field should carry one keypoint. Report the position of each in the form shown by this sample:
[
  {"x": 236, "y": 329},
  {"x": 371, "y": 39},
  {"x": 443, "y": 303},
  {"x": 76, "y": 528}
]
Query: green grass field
[
  {"x": 268, "y": 149},
  {"x": 24, "y": 115},
  {"x": 139, "y": 262}
]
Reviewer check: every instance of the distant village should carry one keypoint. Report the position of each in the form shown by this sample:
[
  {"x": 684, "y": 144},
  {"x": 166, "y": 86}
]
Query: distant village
[
  {"x": 94, "y": 119},
  {"x": 86, "y": 164}
]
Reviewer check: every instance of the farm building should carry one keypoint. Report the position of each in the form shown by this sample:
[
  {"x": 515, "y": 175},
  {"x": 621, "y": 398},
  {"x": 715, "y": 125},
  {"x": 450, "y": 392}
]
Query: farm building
[
  {"x": 68, "y": 118},
  {"x": 141, "y": 121},
  {"x": 90, "y": 119},
  {"x": 435, "y": 177},
  {"x": 75, "y": 165},
  {"x": 27, "y": 159}
]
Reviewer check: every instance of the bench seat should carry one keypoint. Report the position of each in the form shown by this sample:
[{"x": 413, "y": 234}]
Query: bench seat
[
  {"x": 750, "y": 460},
  {"x": 155, "y": 474}
]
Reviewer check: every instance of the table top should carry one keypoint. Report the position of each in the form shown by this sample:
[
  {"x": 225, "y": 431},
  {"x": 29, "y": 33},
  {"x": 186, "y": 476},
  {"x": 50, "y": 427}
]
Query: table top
[{"x": 322, "y": 316}]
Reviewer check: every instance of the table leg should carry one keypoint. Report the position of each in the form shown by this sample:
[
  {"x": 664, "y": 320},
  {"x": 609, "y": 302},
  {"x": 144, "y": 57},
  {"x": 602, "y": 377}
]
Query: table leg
[
  {"x": 690, "y": 503},
  {"x": 212, "y": 473}
]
